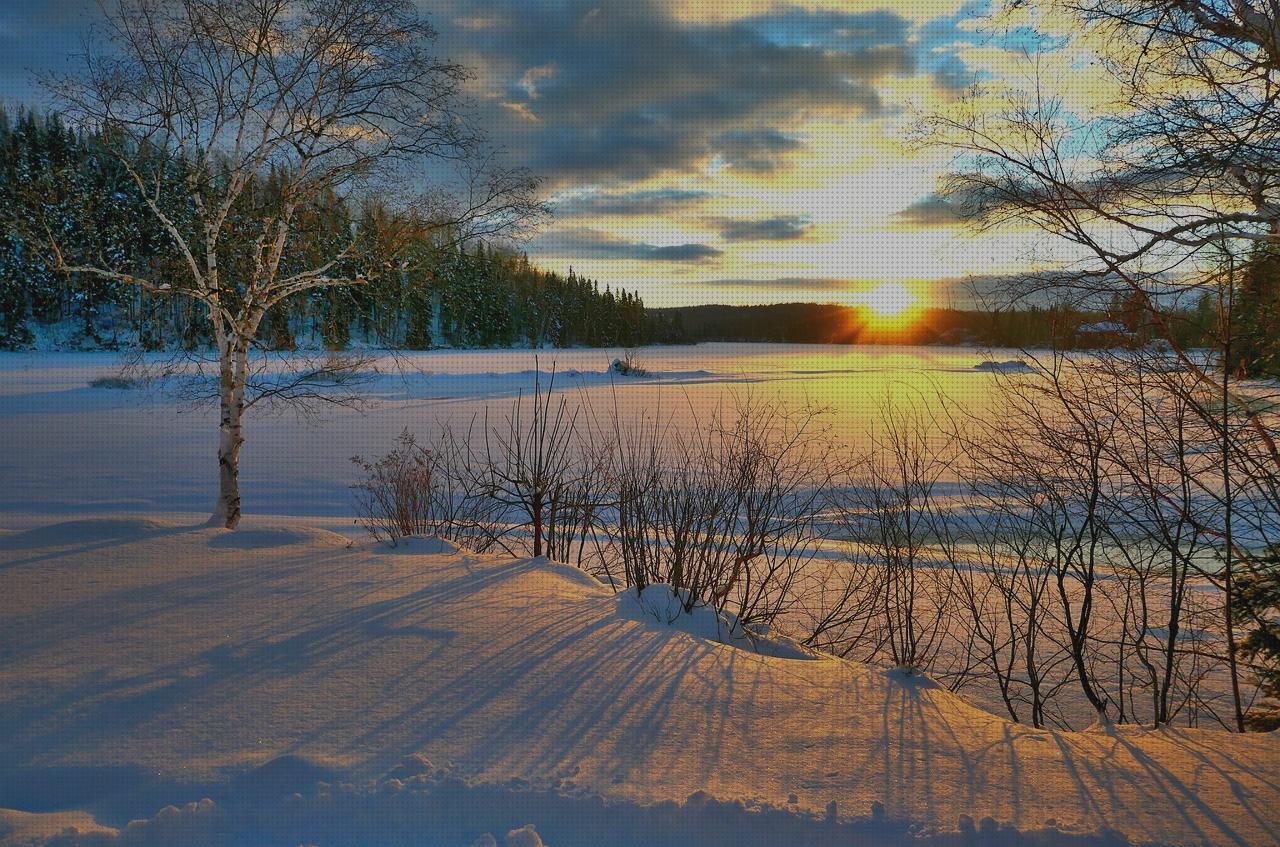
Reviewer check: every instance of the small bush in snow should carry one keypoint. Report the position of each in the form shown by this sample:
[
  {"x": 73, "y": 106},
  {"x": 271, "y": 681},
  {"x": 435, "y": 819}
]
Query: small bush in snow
[
  {"x": 435, "y": 490},
  {"x": 118, "y": 382},
  {"x": 395, "y": 499},
  {"x": 627, "y": 365}
]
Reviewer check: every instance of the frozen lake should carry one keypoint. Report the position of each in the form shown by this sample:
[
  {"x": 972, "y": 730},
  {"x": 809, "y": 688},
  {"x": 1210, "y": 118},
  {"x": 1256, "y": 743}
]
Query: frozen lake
[{"x": 74, "y": 448}]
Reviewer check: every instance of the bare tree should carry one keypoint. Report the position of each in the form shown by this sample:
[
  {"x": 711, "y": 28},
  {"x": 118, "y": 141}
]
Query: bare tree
[
  {"x": 1167, "y": 191},
  {"x": 786, "y": 466},
  {"x": 1004, "y": 598},
  {"x": 200, "y": 99}
]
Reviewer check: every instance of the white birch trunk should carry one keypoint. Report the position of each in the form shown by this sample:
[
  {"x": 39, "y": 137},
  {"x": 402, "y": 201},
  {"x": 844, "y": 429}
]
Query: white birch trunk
[{"x": 231, "y": 387}]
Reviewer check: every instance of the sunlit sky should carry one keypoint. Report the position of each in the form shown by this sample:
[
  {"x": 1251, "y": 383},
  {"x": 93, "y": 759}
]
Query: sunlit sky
[{"x": 730, "y": 151}]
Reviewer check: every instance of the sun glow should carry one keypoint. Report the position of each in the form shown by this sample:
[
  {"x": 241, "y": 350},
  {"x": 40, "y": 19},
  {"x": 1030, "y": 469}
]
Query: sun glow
[{"x": 887, "y": 301}]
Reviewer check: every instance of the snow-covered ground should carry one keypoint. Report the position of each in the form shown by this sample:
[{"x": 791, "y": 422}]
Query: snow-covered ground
[
  {"x": 283, "y": 685},
  {"x": 293, "y": 683}
]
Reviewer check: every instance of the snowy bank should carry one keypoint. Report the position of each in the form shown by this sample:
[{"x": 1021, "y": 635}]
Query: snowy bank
[
  {"x": 1009, "y": 366},
  {"x": 282, "y": 686},
  {"x": 665, "y": 606}
]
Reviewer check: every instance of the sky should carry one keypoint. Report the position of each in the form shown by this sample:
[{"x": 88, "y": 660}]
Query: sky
[{"x": 729, "y": 151}]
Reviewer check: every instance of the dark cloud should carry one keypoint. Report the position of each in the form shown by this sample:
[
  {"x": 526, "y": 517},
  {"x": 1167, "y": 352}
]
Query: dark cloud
[
  {"x": 780, "y": 228},
  {"x": 587, "y": 91},
  {"x": 959, "y": 204},
  {"x": 585, "y": 243},
  {"x": 680, "y": 252},
  {"x": 621, "y": 90},
  {"x": 755, "y": 150},
  {"x": 933, "y": 210},
  {"x": 784, "y": 284},
  {"x": 584, "y": 90},
  {"x": 629, "y": 203}
]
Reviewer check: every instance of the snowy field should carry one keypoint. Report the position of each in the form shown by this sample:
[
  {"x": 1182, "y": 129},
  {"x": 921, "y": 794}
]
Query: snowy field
[{"x": 294, "y": 683}]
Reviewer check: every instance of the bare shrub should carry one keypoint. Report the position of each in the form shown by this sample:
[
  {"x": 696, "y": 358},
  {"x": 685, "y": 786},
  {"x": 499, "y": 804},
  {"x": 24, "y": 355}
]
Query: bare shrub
[
  {"x": 575, "y": 519},
  {"x": 1004, "y": 628},
  {"x": 397, "y": 498},
  {"x": 417, "y": 490},
  {"x": 465, "y": 513},
  {"x": 889, "y": 599},
  {"x": 628, "y": 364},
  {"x": 728, "y": 514},
  {"x": 530, "y": 469},
  {"x": 118, "y": 382}
]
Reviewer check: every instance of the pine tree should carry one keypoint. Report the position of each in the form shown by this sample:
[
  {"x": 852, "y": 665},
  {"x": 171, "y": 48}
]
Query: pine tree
[
  {"x": 1257, "y": 610},
  {"x": 475, "y": 296},
  {"x": 1257, "y": 311}
]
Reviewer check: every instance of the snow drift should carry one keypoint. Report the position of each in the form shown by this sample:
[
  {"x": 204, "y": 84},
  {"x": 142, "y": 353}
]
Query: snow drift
[{"x": 159, "y": 685}]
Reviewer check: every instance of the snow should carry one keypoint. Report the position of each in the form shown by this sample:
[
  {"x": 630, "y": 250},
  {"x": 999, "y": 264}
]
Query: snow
[
  {"x": 71, "y": 533},
  {"x": 160, "y": 686},
  {"x": 411, "y": 546},
  {"x": 260, "y": 539},
  {"x": 165, "y": 683},
  {"x": 664, "y": 606}
]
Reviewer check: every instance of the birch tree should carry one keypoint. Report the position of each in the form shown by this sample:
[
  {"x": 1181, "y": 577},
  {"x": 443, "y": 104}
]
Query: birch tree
[{"x": 199, "y": 100}]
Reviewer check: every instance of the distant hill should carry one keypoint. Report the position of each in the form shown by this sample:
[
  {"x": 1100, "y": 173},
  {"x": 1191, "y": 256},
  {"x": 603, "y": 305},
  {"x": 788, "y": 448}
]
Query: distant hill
[
  {"x": 828, "y": 323},
  {"x": 815, "y": 323}
]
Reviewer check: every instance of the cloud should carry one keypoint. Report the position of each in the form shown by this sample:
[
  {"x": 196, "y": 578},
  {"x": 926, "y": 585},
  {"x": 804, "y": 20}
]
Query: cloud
[
  {"x": 643, "y": 203},
  {"x": 755, "y": 150},
  {"x": 624, "y": 90},
  {"x": 529, "y": 82},
  {"x": 679, "y": 252},
  {"x": 728, "y": 10},
  {"x": 932, "y": 210},
  {"x": 583, "y": 243},
  {"x": 779, "y": 228},
  {"x": 961, "y": 204},
  {"x": 784, "y": 284}
]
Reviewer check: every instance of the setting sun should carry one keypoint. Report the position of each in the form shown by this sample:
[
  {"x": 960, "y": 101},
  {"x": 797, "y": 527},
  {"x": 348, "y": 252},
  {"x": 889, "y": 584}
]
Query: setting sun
[{"x": 888, "y": 300}]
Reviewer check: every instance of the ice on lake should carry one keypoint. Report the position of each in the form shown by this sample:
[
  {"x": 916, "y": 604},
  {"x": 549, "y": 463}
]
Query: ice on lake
[{"x": 83, "y": 448}]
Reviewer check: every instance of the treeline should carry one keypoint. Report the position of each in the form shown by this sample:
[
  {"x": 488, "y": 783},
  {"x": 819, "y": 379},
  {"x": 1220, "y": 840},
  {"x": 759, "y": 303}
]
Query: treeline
[
  {"x": 439, "y": 291},
  {"x": 1057, "y": 327}
]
